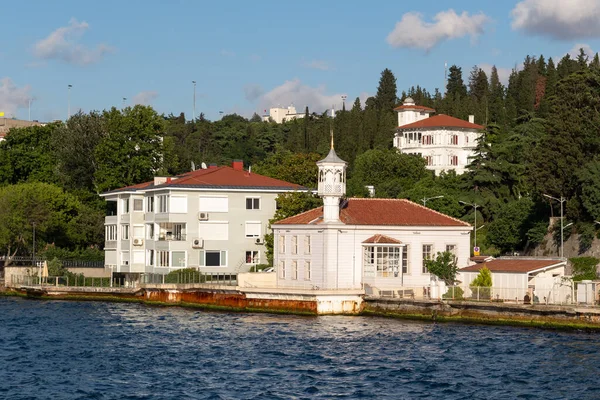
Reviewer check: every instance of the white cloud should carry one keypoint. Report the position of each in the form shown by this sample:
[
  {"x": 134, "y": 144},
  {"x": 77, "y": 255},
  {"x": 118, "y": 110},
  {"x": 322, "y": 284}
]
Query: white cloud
[
  {"x": 145, "y": 98},
  {"x": 317, "y": 64},
  {"x": 574, "y": 52},
  {"x": 62, "y": 44},
  {"x": 12, "y": 97},
  {"x": 503, "y": 73},
  {"x": 294, "y": 92},
  {"x": 412, "y": 31},
  {"x": 253, "y": 91},
  {"x": 558, "y": 19}
]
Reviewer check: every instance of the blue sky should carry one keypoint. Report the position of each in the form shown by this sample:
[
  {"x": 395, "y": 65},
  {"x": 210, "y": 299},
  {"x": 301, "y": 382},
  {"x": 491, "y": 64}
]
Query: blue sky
[{"x": 248, "y": 56}]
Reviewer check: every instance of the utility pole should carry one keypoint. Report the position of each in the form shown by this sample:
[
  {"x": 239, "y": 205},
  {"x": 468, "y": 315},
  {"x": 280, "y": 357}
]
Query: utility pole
[
  {"x": 194, "y": 112},
  {"x": 561, "y": 200},
  {"x": 69, "y": 102}
]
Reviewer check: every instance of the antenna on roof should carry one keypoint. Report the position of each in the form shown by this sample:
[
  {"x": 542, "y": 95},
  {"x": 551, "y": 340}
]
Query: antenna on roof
[
  {"x": 193, "y": 166},
  {"x": 203, "y": 165}
]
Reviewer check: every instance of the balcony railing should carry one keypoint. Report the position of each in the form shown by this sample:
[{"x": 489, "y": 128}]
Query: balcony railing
[{"x": 171, "y": 237}]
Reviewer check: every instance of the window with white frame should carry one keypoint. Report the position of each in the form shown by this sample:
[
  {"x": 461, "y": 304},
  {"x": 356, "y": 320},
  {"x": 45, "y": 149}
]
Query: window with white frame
[
  {"x": 150, "y": 204},
  {"x": 138, "y": 204},
  {"x": 124, "y": 232},
  {"x": 307, "y": 271},
  {"x": 294, "y": 244},
  {"x": 252, "y": 257},
  {"x": 428, "y": 160},
  {"x": 282, "y": 244},
  {"x": 252, "y": 203},
  {"x": 138, "y": 231},
  {"x": 150, "y": 257},
  {"x": 178, "y": 204},
  {"x": 214, "y": 204},
  {"x": 453, "y": 160},
  {"x": 307, "y": 245},
  {"x": 454, "y": 139},
  {"x": 215, "y": 230},
  {"x": 124, "y": 258},
  {"x": 405, "y": 260},
  {"x": 125, "y": 206},
  {"x": 281, "y": 268},
  {"x": 427, "y": 255},
  {"x": 178, "y": 258},
  {"x": 253, "y": 229},
  {"x": 294, "y": 270},
  {"x": 162, "y": 259},
  {"x": 150, "y": 231},
  {"x": 111, "y": 233},
  {"x": 451, "y": 248},
  {"x": 163, "y": 203},
  {"x": 213, "y": 258},
  {"x": 385, "y": 260}
]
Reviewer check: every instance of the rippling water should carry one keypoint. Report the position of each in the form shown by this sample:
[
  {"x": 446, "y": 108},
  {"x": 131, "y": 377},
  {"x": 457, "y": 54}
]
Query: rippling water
[{"x": 91, "y": 350}]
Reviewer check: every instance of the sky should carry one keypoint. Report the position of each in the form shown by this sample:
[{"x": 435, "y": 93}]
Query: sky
[{"x": 249, "y": 56}]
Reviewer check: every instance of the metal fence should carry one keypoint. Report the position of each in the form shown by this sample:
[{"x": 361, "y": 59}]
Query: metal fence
[
  {"x": 68, "y": 281},
  {"x": 557, "y": 295},
  {"x": 82, "y": 264},
  {"x": 190, "y": 277}
]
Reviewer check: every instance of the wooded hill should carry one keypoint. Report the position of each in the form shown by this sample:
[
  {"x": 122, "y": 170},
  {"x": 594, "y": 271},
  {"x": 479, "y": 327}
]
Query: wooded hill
[{"x": 542, "y": 137}]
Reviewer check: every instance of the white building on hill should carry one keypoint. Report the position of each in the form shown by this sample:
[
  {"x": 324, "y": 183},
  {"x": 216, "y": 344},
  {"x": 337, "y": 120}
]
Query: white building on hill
[
  {"x": 375, "y": 244},
  {"x": 280, "y": 115},
  {"x": 445, "y": 142}
]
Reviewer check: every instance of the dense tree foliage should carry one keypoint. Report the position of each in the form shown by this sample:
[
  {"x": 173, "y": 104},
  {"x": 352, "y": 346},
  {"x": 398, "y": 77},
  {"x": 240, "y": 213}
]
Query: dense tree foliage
[{"x": 541, "y": 138}]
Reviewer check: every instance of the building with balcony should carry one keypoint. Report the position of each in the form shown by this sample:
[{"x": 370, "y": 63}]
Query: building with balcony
[
  {"x": 213, "y": 219},
  {"x": 356, "y": 243},
  {"x": 445, "y": 142}
]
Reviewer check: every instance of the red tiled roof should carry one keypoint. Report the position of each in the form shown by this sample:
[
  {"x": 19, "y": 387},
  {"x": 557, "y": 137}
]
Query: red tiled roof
[
  {"x": 400, "y": 212},
  {"x": 442, "y": 121},
  {"x": 514, "y": 265},
  {"x": 414, "y": 107},
  {"x": 382, "y": 239},
  {"x": 219, "y": 177}
]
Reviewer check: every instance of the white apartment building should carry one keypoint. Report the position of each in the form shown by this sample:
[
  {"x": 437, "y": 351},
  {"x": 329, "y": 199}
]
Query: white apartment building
[
  {"x": 445, "y": 142},
  {"x": 358, "y": 243},
  {"x": 280, "y": 115},
  {"x": 212, "y": 219}
]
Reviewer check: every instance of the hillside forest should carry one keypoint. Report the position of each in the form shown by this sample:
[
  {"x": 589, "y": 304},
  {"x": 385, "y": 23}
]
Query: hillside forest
[{"x": 541, "y": 138}]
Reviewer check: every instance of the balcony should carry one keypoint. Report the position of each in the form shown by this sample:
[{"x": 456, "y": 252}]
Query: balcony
[{"x": 169, "y": 236}]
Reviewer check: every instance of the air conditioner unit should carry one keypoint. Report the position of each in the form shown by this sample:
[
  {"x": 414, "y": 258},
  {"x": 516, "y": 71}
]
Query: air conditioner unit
[
  {"x": 202, "y": 216},
  {"x": 260, "y": 240},
  {"x": 138, "y": 242},
  {"x": 198, "y": 243}
]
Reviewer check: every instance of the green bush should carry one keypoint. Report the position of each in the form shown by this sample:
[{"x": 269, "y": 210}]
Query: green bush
[
  {"x": 584, "y": 268},
  {"x": 482, "y": 284},
  {"x": 454, "y": 293}
]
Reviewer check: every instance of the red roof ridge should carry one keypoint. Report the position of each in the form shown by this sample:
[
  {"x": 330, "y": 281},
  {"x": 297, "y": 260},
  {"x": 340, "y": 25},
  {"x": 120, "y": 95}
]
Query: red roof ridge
[
  {"x": 442, "y": 120},
  {"x": 437, "y": 212},
  {"x": 298, "y": 215},
  {"x": 382, "y": 239}
]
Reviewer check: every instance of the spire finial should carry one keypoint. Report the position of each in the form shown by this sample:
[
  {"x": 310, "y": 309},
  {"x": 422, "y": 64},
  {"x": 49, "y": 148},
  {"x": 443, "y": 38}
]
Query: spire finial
[{"x": 332, "y": 118}]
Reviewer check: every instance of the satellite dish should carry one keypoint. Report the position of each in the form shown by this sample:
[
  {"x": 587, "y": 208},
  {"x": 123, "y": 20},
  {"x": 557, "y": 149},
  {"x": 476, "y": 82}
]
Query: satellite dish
[
  {"x": 193, "y": 166},
  {"x": 204, "y": 166}
]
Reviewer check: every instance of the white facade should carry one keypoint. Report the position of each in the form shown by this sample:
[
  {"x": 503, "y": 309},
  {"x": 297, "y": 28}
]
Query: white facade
[
  {"x": 280, "y": 115},
  {"x": 445, "y": 142},
  {"x": 159, "y": 229},
  {"x": 321, "y": 250}
]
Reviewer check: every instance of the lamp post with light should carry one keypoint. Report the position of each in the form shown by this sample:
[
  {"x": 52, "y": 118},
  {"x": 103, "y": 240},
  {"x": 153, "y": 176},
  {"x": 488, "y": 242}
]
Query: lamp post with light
[
  {"x": 474, "y": 205},
  {"x": 425, "y": 200},
  {"x": 561, "y": 200}
]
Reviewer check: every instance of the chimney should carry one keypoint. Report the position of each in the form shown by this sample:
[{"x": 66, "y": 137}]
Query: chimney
[
  {"x": 472, "y": 119},
  {"x": 169, "y": 179},
  {"x": 238, "y": 165},
  {"x": 212, "y": 166}
]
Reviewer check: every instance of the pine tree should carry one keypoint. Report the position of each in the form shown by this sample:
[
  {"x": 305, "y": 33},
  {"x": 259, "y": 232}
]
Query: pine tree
[
  {"x": 496, "y": 102},
  {"x": 456, "y": 87},
  {"x": 387, "y": 92},
  {"x": 595, "y": 64},
  {"x": 582, "y": 60}
]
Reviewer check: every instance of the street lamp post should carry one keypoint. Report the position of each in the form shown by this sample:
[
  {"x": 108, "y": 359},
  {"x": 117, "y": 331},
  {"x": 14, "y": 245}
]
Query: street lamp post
[
  {"x": 474, "y": 205},
  {"x": 34, "y": 264},
  {"x": 124, "y": 100},
  {"x": 344, "y": 102},
  {"x": 561, "y": 200},
  {"x": 425, "y": 200},
  {"x": 69, "y": 101},
  {"x": 194, "y": 112}
]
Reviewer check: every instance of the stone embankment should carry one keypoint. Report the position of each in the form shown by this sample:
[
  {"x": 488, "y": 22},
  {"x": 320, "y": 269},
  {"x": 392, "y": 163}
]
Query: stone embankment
[{"x": 235, "y": 299}]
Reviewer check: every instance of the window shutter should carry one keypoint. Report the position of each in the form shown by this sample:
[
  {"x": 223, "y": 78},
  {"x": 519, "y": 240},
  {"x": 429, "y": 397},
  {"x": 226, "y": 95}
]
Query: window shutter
[{"x": 201, "y": 258}]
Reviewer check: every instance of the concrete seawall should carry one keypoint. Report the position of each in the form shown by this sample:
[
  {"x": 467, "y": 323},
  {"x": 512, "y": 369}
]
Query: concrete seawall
[{"x": 485, "y": 312}]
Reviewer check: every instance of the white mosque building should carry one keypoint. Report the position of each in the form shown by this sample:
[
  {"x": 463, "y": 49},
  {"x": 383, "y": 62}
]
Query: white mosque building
[
  {"x": 363, "y": 243},
  {"x": 445, "y": 142}
]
